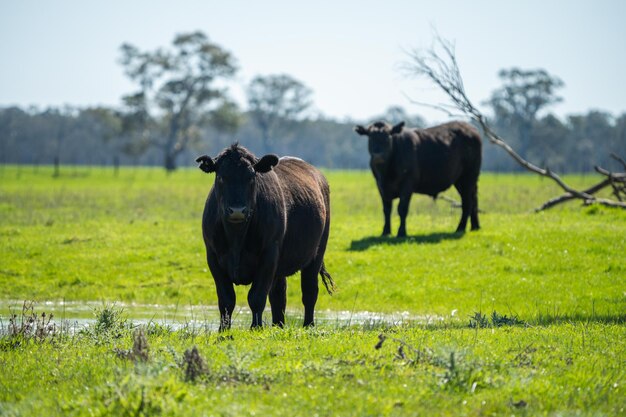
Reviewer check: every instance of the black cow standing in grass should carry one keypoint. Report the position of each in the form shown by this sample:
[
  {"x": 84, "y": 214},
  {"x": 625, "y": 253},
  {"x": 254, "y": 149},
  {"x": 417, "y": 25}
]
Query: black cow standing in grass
[
  {"x": 425, "y": 161},
  {"x": 265, "y": 219}
]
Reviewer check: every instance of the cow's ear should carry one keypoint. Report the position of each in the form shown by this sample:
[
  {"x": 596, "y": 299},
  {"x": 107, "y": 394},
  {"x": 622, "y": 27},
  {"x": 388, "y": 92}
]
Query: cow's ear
[
  {"x": 360, "y": 130},
  {"x": 266, "y": 163},
  {"x": 397, "y": 128},
  {"x": 206, "y": 163}
]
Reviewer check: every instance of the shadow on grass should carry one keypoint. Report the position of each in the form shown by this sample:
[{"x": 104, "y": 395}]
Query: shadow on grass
[
  {"x": 544, "y": 320},
  {"x": 605, "y": 318},
  {"x": 431, "y": 238}
]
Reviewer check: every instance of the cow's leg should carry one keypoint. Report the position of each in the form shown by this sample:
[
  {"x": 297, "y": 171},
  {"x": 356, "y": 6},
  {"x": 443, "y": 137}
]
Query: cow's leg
[
  {"x": 310, "y": 290},
  {"x": 257, "y": 298},
  {"x": 387, "y": 213},
  {"x": 278, "y": 301},
  {"x": 474, "y": 213},
  {"x": 225, "y": 292},
  {"x": 261, "y": 284},
  {"x": 466, "y": 205},
  {"x": 309, "y": 283},
  {"x": 403, "y": 209}
]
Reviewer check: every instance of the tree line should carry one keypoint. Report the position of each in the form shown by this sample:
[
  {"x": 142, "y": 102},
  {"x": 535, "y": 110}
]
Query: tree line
[{"x": 181, "y": 108}]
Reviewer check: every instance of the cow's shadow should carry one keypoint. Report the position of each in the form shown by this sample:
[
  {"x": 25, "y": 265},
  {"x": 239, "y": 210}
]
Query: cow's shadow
[{"x": 431, "y": 238}]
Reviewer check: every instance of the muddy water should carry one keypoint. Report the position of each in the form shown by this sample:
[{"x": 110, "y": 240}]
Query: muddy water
[{"x": 77, "y": 315}]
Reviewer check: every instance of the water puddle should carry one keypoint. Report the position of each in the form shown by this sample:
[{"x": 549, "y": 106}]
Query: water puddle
[{"x": 74, "y": 316}]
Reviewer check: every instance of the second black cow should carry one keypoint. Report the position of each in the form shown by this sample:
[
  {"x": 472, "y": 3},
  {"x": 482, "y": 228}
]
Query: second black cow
[
  {"x": 265, "y": 219},
  {"x": 425, "y": 161}
]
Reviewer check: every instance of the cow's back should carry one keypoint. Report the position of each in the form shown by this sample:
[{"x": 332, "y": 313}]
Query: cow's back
[
  {"x": 306, "y": 195},
  {"x": 443, "y": 154}
]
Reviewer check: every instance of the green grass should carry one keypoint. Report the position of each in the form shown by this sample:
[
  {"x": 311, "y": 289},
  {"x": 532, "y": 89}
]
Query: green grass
[
  {"x": 89, "y": 236},
  {"x": 569, "y": 369},
  {"x": 137, "y": 238}
]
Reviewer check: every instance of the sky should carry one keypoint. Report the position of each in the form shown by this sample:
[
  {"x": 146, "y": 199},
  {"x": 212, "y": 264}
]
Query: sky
[{"x": 350, "y": 53}]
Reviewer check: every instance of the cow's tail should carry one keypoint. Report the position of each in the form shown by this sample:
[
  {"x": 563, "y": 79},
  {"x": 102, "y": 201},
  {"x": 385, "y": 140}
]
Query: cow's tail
[{"x": 327, "y": 280}]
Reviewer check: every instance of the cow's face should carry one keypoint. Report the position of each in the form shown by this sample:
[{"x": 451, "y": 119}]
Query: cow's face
[
  {"x": 380, "y": 139},
  {"x": 235, "y": 182}
]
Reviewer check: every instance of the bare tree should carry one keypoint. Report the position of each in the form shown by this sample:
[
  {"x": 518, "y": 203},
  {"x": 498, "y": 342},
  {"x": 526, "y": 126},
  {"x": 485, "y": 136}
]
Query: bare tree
[
  {"x": 178, "y": 91},
  {"x": 440, "y": 66}
]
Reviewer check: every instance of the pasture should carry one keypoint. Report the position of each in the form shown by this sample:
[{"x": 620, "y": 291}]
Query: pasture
[{"x": 132, "y": 244}]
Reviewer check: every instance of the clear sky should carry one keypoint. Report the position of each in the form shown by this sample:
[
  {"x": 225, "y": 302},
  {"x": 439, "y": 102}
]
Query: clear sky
[{"x": 347, "y": 52}]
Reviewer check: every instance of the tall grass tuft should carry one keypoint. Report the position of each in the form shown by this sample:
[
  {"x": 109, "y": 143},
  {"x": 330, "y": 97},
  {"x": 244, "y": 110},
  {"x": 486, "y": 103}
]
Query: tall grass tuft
[
  {"x": 481, "y": 321},
  {"x": 29, "y": 326},
  {"x": 193, "y": 364}
]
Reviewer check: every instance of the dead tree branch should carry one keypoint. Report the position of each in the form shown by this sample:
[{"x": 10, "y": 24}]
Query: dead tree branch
[
  {"x": 567, "y": 196},
  {"x": 619, "y": 159},
  {"x": 617, "y": 181},
  {"x": 452, "y": 201},
  {"x": 440, "y": 66}
]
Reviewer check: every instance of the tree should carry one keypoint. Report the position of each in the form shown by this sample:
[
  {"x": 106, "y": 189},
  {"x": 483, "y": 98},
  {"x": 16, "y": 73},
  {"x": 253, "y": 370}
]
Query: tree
[
  {"x": 274, "y": 101},
  {"x": 552, "y": 142},
  {"x": 13, "y": 121},
  {"x": 105, "y": 124},
  {"x": 177, "y": 91},
  {"x": 59, "y": 123},
  {"x": 619, "y": 137},
  {"x": 524, "y": 94},
  {"x": 440, "y": 66}
]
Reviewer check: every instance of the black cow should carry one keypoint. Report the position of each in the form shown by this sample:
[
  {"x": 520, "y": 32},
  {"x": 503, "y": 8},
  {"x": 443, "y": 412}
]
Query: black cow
[
  {"x": 265, "y": 219},
  {"x": 425, "y": 161}
]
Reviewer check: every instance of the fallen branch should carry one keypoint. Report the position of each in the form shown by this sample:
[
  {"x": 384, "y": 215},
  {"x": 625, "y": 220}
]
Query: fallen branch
[
  {"x": 606, "y": 202},
  {"x": 453, "y": 203},
  {"x": 617, "y": 181},
  {"x": 443, "y": 71},
  {"x": 568, "y": 196}
]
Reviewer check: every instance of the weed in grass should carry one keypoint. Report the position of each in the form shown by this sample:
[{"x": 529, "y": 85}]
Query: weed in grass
[
  {"x": 110, "y": 323},
  {"x": 519, "y": 404},
  {"x": 140, "y": 350},
  {"x": 524, "y": 359},
  {"x": 224, "y": 338},
  {"x": 451, "y": 370},
  {"x": 193, "y": 364},
  {"x": 481, "y": 321},
  {"x": 457, "y": 375},
  {"x": 478, "y": 321},
  {"x": 110, "y": 320},
  {"x": 499, "y": 320},
  {"x": 236, "y": 370},
  {"x": 28, "y": 326},
  {"x": 420, "y": 355},
  {"x": 157, "y": 329},
  {"x": 136, "y": 396}
]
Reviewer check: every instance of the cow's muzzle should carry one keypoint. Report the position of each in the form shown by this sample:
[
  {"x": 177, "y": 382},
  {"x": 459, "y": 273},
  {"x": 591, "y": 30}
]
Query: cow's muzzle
[
  {"x": 237, "y": 214},
  {"x": 378, "y": 158}
]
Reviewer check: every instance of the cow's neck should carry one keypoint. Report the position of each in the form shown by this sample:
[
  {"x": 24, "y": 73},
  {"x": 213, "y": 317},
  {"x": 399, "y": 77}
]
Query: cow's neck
[{"x": 236, "y": 238}]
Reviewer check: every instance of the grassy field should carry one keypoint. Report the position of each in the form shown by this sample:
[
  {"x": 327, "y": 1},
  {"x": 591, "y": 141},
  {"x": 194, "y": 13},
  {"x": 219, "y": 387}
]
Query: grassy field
[{"x": 556, "y": 280}]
